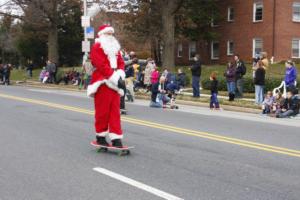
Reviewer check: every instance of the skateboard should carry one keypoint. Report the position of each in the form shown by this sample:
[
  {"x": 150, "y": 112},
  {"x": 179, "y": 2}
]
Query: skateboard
[{"x": 120, "y": 151}]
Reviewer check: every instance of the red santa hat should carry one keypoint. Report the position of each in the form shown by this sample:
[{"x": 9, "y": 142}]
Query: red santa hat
[{"x": 106, "y": 28}]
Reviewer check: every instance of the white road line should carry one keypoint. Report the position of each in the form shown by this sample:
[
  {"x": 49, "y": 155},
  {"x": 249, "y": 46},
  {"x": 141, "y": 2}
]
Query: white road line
[{"x": 137, "y": 184}]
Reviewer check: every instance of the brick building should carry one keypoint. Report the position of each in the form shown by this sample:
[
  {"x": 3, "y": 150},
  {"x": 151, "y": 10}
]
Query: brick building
[{"x": 247, "y": 28}]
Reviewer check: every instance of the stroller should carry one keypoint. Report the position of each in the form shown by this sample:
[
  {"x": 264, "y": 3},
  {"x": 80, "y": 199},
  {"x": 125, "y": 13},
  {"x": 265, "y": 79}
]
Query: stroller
[{"x": 284, "y": 87}]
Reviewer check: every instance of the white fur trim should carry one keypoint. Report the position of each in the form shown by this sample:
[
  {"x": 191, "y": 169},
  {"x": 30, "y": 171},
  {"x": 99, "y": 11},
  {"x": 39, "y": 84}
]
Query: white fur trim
[
  {"x": 114, "y": 78},
  {"x": 92, "y": 89},
  {"x": 114, "y": 136},
  {"x": 121, "y": 73},
  {"x": 103, "y": 134},
  {"x": 106, "y": 30}
]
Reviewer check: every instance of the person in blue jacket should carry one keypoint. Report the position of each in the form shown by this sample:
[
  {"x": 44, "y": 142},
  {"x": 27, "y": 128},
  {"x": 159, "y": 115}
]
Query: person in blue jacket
[{"x": 290, "y": 75}]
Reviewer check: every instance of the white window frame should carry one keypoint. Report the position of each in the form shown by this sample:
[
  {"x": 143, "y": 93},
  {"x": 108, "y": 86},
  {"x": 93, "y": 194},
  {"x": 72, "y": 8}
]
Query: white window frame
[
  {"x": 296, "y": 39},
  {"x": 254, "y": 46},
  {"x": 179, "y": 50},
  {"x": 229, "y": 53},
  {"x": 194, "y": 44},
  {"x": 213, "y": 24},
  {"x": 255, "y": 6},
  {"x": 213, "y": 57},
  {"x": 296, "y": 4},
  {"x": 229, "y": 13}
]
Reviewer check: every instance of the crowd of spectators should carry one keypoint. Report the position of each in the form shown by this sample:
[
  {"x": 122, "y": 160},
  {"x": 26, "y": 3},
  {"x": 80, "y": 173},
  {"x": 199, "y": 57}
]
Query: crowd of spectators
[{"x": 143, "y": 75}]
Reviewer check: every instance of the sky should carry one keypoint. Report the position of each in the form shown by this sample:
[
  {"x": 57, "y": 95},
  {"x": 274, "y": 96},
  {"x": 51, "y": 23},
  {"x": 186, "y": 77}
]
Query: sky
[
  {"x": 7, "y": 7},
  {"x": 91, "y": 11}
]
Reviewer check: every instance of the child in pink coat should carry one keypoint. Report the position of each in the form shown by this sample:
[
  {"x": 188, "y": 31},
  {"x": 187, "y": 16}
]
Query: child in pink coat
[{"x": 155, "y": 76}]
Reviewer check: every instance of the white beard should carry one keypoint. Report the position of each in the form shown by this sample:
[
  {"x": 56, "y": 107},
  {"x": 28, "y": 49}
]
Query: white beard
[{"x": 111, "y": 48}]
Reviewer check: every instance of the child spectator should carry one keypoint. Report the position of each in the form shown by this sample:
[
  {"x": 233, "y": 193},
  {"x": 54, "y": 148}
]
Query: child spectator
[
  {"x": 159, "y": 97},
  {"x": 268, "y": 103},
  {"x": 42, "y": 74},
  {"x": 214, "y": 102},
  {"x": 46, "y": 77},
  {"x": 155, "y": 76},
  {"x": 291, "y": 106},
  {"x": 278, "y": 103},
  {"x": 181, "y": 79}
]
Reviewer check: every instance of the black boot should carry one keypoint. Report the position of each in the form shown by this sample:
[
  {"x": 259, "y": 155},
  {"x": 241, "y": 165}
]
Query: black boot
[
  {"x": 117, "y": 143},
  {"x": 101, "y": 141},
  {"x": 230, "y": 96}
]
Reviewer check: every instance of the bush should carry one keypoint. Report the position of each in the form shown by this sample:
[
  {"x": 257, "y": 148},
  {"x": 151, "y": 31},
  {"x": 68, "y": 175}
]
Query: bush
[{"x": 271, "y": 83}]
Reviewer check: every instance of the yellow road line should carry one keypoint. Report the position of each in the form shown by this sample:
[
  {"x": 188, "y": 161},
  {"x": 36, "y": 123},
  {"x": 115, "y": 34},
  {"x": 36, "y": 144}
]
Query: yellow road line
[{"x": 210, "y": 136}]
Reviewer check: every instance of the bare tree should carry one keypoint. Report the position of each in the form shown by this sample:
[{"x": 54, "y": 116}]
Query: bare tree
[{"x": 45, "y": 16}]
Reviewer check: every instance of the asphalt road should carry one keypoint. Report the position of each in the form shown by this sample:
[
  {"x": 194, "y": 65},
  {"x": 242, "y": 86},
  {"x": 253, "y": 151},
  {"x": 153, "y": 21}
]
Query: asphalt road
[{"x": 190, "y": 153}]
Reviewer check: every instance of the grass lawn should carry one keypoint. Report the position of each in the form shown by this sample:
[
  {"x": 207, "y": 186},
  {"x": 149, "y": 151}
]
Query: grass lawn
[{"x": 21, "y": 74}]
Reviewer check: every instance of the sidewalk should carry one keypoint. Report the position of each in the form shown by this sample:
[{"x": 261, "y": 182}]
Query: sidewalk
[
  {"x": 184, "y": 98},
  {"x": 207, "y": 95}
]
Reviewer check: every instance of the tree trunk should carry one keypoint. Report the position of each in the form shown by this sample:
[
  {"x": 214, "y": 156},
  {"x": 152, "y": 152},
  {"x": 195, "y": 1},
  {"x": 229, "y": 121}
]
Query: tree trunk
[
  {"x": 168, "y": 34},
  {"x": 53, "y": 44}
]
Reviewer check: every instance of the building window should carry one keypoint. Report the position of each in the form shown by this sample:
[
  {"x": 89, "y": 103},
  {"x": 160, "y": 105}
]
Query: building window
[
  {"x": 192, "y": 50},
  {"x": 230, "y": 48},
  {"x": 258, "y": 12},
  {"x": 296, "y": 12},
  {"x": 296, "y": 48},
  {"x": 215, "y": 50},
  {"x": 257, "y": 46},
  {"x": 179, "y": 50},
  {"x": 214, "y": 22},
  {"x": 230, "y": 14}
]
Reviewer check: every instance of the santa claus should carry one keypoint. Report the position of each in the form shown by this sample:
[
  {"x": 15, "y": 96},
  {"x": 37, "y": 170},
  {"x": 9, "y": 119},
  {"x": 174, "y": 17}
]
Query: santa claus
[{"x": 105, "y": 87}]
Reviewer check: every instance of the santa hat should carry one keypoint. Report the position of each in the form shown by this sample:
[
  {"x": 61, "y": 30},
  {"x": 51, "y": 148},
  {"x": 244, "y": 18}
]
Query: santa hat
[{"x": 105, "y": 29}]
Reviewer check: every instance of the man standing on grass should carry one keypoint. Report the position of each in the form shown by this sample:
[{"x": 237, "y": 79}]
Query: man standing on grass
[
  {"x": 196, "y": 74},
  {"x": 240, "y": 72}
]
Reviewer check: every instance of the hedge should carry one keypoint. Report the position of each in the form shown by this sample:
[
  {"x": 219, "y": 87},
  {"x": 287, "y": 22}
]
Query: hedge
[{"x": 271, "y": 83}]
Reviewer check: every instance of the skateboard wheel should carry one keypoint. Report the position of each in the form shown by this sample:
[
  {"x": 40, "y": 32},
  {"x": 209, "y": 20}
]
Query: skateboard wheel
[
  {"x": 120, "y": 154},
  {"x": 102, "y": 150}
]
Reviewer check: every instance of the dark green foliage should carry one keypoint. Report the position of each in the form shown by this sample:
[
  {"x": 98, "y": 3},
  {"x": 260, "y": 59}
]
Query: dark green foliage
[
  {"x": 69, "y": 36},
  {"x": 195, "y": 19}
]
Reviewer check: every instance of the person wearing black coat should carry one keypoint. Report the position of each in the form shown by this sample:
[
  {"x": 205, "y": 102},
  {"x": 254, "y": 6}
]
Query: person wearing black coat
[
  {"x": 240, "y": 72},
  {"x": 196, "y": 74},
  {"x": 1, "y": 73},
  {"x": 291, "y": 106},
  {"x": 259, "y": 82},
  {"x": 214, "y": 102},
  {"x": 29, "y": 69}
]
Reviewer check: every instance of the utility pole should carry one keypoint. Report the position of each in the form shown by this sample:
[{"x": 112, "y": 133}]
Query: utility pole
[
  {"x": 89, "y": 32},
  {"x": 85, "y": 23}
]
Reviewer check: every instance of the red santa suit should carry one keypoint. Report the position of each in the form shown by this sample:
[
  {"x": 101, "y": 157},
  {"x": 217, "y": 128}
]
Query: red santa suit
[{"x": 109, "y": 68}]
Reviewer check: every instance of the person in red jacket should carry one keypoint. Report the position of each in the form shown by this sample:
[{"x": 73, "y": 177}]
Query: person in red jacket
[{"x": 105, "y": 87}]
